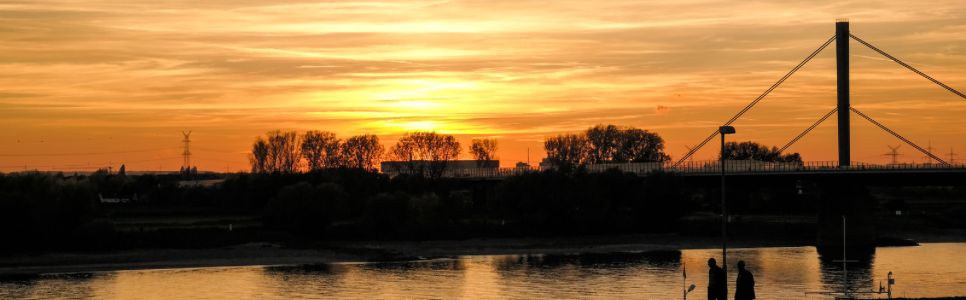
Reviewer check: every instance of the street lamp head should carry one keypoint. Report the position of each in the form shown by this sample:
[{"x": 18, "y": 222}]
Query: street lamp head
[{"x": 726, "y": 129}]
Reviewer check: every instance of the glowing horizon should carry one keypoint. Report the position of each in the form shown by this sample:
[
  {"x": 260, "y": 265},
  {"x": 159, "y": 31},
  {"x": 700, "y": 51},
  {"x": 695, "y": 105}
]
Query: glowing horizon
[{"x": 115, "y": 82}]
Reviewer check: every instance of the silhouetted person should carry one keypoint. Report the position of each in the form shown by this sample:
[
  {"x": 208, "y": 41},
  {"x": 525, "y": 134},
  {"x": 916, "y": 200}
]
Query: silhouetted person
[
  {"x": 745, "y": 285},
  {"x": 717, "y": 288}
]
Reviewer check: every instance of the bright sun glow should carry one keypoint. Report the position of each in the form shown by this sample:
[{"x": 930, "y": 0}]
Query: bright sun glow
[
  {"x": 415, "y": 126},
  {"x": 232, "y": 70},
  {"x": 417, "y": 105}
]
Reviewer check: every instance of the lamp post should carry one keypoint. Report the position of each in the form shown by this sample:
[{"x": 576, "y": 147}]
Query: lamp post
[{"x": 724, "y": 130}]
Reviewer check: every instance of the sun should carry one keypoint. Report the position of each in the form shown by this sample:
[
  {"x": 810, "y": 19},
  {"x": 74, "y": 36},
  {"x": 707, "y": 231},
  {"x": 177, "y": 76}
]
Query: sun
[
  {"x": 417, "y": 105},
  {"x": 409, "y": 126}
]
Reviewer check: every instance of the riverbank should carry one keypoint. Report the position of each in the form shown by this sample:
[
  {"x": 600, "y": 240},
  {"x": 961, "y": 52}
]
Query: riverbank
[{"x": 367, "y": 251}]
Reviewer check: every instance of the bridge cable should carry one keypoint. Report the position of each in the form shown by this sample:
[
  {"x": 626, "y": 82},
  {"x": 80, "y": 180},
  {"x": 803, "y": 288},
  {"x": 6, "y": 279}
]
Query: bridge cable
[
  {"x": 893, "y": 133},
  {"x": 893, "y": 58},
  {"x": 790, "y": 143},
  {"x": 758, "y": 99}
]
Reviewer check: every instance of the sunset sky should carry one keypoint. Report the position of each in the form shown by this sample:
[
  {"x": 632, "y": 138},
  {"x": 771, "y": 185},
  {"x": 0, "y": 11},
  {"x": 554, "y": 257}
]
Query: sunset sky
[{"x": 88, "y": 83}]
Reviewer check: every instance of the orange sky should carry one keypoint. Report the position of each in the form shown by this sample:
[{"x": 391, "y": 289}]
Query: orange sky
[{"x": 113, "y": 82}]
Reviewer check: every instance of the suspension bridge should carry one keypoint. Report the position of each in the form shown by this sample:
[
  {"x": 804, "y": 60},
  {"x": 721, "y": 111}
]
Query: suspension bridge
[
  {"x": 843, "y": 111},
  {"x": 843, "y": 108}
]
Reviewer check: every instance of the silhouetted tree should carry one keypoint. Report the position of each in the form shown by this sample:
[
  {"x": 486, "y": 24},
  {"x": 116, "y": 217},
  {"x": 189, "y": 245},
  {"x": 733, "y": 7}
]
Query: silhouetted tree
[
  {"x": 637, "y": 145},
  {"x": 362, "y": 151},
  {"x": 567, "y": 151},
  {"x": 602, "y": 143},
  {"x": 610, "y": 143},
  {"x": 41, "y": 211},
  {"x": 122, "y": 171},
  {"x": 387, "y": 211},
  {"x": 283, "y": 152},
  {"x": 756, "y": 151},
  {"x": 483, "y": 150},
  {"x": 426, "y": 152},
  {"x": 259, "y": 156},
  {"x": 321, "y": 150},
  {"x": 305, "y": 208}
]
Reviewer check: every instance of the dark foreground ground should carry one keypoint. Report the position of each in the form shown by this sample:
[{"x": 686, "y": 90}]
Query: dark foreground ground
[{"x": 263, "y": 253}]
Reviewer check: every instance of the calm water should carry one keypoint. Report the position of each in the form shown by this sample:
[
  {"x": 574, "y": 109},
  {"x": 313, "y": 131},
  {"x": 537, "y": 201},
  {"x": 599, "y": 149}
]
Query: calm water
[{"x": 781, "y": 273}]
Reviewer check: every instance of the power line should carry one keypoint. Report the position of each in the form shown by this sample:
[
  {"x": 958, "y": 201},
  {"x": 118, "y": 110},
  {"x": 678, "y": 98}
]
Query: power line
[
  {"x": 85, "y": 166},
  {"x": 187, "y": 149},
  {"x": 218, "y": 151},
  {"x": 928, "y": 148},
  {"x": 901, "y": 138},
  {"x": 80, "y": 153},
  {"x": 206, "y": 158},
  {"x": 894, "y": 152}
]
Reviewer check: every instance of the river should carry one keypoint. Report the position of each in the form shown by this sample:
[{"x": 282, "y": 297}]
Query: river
[{"x": 930, "y": 270}]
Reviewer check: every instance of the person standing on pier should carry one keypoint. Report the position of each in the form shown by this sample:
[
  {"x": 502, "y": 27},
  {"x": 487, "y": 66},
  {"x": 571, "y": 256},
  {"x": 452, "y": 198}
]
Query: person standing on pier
[
  {"x": 745, "y": 285},
  {"x": 717, "y": 290}
]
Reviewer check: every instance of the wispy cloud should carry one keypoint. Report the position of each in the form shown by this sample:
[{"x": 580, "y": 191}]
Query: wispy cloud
[{"x": 138, "y": 72}]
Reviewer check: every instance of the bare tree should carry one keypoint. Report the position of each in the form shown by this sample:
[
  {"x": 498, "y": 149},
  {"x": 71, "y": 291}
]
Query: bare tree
[
  {"x": 426, "y": 151},
  {"x": 483, "y": 150},
  {"x": 259, "y": 156},
  {"x": 362, "y": 151},
  {"x": 283, "y": 152},
  {"x": 321, "y": 150},
  {"x": 567, "y": 151}
]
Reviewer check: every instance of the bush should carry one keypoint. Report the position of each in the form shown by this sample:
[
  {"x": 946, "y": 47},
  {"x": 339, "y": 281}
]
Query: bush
[
  {"x": 386, "y": 211},
  {"x": 426, "y": 211},
  {"x": 305, "y": 208},
  {"x": 39, "y": 211},
  {"x": 601, "y": 202}
]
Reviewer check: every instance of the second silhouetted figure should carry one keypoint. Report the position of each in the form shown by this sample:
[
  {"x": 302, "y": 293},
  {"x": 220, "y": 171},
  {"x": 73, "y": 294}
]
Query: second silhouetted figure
[
  {"x": 745, "y": 285},
  {"x": 717, "y": 282}
]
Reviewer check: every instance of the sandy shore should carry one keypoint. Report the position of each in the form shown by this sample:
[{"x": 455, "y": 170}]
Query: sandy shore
[{"x": 360, "y": 251}]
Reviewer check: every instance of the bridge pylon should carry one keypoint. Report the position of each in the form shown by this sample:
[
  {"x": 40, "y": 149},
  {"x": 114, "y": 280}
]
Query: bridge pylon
[{"x": 842, "y": 65}]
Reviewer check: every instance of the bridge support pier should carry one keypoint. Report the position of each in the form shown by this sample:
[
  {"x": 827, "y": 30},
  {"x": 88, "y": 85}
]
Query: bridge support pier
[{"x": 841, "y": 198}]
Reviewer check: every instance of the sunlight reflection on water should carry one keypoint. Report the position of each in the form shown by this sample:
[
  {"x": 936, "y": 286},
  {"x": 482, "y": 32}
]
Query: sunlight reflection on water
[{"x": 781, "y": 273}]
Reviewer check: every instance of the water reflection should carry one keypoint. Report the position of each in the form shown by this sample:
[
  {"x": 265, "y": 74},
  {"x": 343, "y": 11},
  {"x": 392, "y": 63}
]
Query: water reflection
[
  {"x": 859, "y": 267},
  {"x": 57, "y": 286},
  {"x": 618, "y": 260},
  {"x": 781, "y": 273}
]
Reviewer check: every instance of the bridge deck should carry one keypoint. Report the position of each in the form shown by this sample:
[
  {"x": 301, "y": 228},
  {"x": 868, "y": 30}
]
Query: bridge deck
[{"x": 707, "y": 168}]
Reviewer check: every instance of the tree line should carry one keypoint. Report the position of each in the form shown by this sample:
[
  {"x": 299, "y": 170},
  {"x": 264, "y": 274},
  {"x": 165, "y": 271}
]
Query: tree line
[
  {"x": 426, "y": 153},
  {"x": 756, "y": 151},
  {"x": 604, "y": 144}
]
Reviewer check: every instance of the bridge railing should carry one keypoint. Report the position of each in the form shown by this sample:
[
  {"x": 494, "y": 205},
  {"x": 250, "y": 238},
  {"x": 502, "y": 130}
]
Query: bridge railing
[
  {"x": 489, "y": 172},
  {"x": 711, "y": 167},
  {"x": 751, "y": 166}
]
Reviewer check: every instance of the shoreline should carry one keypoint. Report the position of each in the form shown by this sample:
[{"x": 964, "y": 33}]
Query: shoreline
[{"x": 269, "y": 254}]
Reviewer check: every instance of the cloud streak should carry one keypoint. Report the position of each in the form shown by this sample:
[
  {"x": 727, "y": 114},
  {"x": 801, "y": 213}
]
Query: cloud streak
[{"x": 138, "y": 72}]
